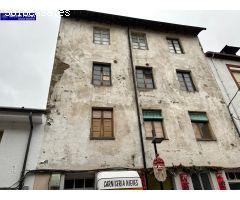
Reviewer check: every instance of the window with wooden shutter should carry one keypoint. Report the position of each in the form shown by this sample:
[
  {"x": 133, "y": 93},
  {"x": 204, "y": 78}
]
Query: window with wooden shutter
[
  {"x": 102, "y": 123},
  {"x": 201, "y": 126},
  {"x": 153, "y": 124}
]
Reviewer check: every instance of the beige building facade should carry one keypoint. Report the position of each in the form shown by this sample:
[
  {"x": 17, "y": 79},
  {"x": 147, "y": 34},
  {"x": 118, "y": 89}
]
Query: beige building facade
[{"x": 117, "y": 80}]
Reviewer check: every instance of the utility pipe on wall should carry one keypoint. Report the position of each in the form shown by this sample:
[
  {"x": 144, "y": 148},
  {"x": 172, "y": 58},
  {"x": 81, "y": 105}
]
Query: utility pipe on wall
[
  {"x": 137, "y": 105},
  {"x": 21, "y": 180}
]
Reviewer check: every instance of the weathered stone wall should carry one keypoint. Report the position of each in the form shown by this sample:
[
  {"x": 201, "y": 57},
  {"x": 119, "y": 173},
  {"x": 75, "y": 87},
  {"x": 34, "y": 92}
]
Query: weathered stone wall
[{"x": 67, "y": 143}]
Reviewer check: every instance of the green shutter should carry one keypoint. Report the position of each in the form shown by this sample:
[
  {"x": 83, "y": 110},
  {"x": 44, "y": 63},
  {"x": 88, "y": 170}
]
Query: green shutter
[
  {"x": 152, "y": 115},
  {"x": 196, "y": 116}
]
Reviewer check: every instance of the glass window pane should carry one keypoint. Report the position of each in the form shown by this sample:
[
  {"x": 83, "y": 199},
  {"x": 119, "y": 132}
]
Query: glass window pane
[
  {"x": 106, "y": 83},
  {"x": 68, "y": 184},
  {"x": 97, "y": 68},
  {"x": 140, "y": 76},
  {"x": 149, "y": 81},
  {"x": 96, "y": 82},
  {"x": 79, "y": 183},
  {"x": 96, "y": 77},
  {"x": 141, "y": 85},
  {"x": 186, "y": 75},
  {"x": 140, "y": 80},
  {"x": 237, "y": 174},
  {"x": 150, "y": 86},
  {"x": 231, "y": 176},
  {"x": 96, "y": 72},
  {"x": 196, "y": 182},
  {"x": 89, "y": 183},
  {"x": 97, "y": 114},
  {"x": 107, "y": 114},
  {"x": 139, "y": 71},
  {"x": 205, "y": 181}
]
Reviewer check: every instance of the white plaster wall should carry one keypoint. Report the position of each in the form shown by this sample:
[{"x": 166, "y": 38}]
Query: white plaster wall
[
  {"x": 226, "y": 84},
  {"x": 12, "y": 151},
  {"x": 66, "y": 141}
]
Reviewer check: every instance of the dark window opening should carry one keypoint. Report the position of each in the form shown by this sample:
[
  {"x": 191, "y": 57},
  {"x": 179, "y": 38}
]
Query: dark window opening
[
  {"x": 144, "y": 78},
  {"x": 201, "y": 181},
  {"x": 185, "y": 80},
  {"x": 101, "y": 75},
  {"x": 101, "y": 36},
  {"x": 139, "y": 41},
  {"x": 174, "y": 46},
  {"x": 201, "y": 126}
]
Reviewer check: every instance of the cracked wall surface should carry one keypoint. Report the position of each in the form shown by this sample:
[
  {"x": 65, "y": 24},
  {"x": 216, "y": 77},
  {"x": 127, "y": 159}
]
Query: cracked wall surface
[{"x": 67, "y": 143}]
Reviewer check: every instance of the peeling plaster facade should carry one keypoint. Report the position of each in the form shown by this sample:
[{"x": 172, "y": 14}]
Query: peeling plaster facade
[{"x": 67, "y": 144}]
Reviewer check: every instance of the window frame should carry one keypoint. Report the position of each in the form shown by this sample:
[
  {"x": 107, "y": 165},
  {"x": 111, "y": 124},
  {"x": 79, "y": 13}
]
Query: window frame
[
  {"x": 152, "y": 121},
  {"x": 145, "y": 69},
  {"x": 229, "y": 66},
  {"x": 174, "y": 48},
  {"x": 180, "y": 71},
  {"x": 139, "y": 34},
  {"x": 101, "y": 29},
  {"x": 100, "y": 64},
  {"x": 232, "y": 181},
  {"x": 102, "y": 109},
  {"x": 79, "y": 176},
  {"x": 201, "y": 181},
  {"x": 213, "y": 138}
]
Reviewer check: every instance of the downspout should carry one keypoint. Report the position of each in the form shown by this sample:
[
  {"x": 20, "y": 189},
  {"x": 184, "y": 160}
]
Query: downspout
[
  {"x": 138, "y": 112},
  {"x": 21, "y": 181},
  {"x": 228, "y": 106}
]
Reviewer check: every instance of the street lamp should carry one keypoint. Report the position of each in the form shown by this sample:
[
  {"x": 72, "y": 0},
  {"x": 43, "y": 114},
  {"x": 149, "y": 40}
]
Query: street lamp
[{"x": 155, "y": 141}]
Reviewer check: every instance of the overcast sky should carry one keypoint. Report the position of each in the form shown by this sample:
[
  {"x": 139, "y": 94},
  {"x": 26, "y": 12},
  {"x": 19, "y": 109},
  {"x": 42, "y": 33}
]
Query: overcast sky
[{"x": 28, "y": 48}]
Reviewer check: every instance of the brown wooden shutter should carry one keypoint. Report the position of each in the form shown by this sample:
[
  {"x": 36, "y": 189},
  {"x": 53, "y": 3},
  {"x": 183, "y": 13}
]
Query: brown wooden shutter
[
  {"x": 196, "y": 130},
  {"x": 158, "y": 129},
  {"x": 107, "y": 124},
  {"x": 148, "y": 129},
  {"x": 107, "y": 128},
  {"x": 96, "y": 123}
]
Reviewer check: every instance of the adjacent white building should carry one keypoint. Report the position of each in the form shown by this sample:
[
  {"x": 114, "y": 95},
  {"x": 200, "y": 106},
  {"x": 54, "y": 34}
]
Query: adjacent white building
[
  {"x": 21, "y": 132},
  {"x": 225, "y": 66}
]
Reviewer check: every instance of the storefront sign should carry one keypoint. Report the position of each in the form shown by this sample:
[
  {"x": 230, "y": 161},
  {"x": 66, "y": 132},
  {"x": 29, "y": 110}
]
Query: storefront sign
[{"x": 120, "y": 183}]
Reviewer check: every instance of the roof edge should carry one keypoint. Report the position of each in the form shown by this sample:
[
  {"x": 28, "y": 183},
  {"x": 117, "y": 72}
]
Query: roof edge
[
  {"x": 135, "y": 22},
  {"x": 222, "y": 56},
  {"x": 22, "y": 110}
]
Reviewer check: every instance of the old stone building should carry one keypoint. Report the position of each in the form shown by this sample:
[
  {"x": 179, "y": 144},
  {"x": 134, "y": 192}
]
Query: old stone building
[{"x": 118, "y": 81}]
